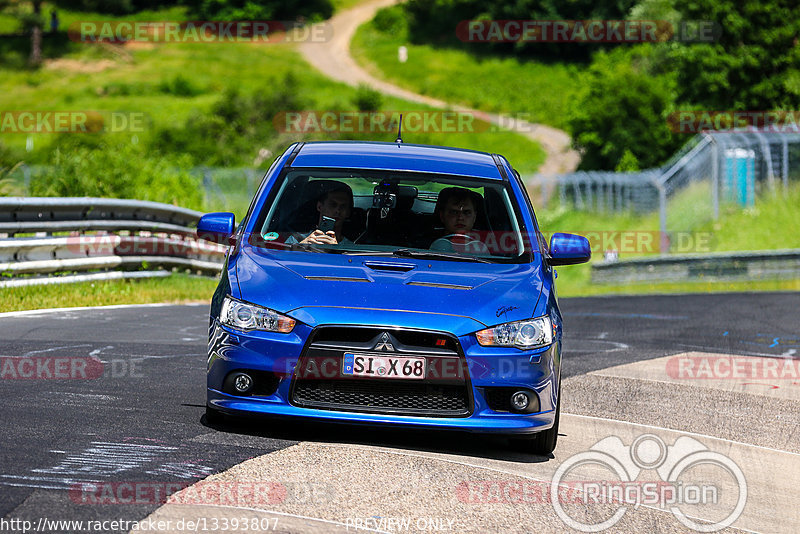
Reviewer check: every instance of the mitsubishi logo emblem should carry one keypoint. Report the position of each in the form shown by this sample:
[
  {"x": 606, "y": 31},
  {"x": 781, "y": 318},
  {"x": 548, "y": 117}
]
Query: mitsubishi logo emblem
[{"x": 384, "y": 344}]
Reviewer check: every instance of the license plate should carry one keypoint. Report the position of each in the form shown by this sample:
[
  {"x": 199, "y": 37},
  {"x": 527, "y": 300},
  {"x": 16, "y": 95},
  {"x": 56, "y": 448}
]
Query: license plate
[{"x": 375, "y": 366}]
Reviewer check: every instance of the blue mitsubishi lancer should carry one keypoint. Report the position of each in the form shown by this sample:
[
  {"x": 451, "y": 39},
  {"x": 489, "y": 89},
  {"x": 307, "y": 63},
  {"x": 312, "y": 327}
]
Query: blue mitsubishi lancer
[{"x": 390, "y": 284}]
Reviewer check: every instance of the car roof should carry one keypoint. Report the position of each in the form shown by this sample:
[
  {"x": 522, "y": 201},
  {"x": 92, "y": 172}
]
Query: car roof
[{"x": 397, "y": 156}]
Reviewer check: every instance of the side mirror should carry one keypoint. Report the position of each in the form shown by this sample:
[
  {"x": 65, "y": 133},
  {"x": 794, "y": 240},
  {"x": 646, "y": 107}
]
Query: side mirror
[
  {"x": 217, "y": 227},
  {"x": 569, "y": 249}
]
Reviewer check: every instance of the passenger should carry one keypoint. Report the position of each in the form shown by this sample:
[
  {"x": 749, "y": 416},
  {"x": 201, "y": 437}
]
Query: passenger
[
  {"x": 336, "y": 203},
  {"x": 457, "y": 210}
]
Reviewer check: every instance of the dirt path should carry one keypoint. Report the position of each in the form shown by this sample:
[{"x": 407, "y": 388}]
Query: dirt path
[{"x": 333, "y": 59}]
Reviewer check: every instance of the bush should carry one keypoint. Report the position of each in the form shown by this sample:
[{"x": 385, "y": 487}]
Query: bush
[
  {"x": 9, "y": 162},
  {"x": 6, "y": 184},
  {"x": 627, "y": 163},
  {"x": 367, "y": 99},
  {"x": 116, "y": 169},
  {"x": 391, "y": 20},
  {"x": 313, "y": 10},
  {"x": 235, "y": 128},
  {"x": 7, "y": 156},
  {"x": 179, "y": 86}
]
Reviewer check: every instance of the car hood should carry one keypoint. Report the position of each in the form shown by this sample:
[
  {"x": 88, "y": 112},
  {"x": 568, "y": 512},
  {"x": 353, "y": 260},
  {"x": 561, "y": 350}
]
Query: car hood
[{"x": 322, "y": 288}]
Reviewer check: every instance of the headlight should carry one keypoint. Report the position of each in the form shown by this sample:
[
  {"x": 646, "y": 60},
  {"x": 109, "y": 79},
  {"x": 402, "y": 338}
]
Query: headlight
[
  {"x": 250, "y": 317},
  {"x": 528, "y": 334}
]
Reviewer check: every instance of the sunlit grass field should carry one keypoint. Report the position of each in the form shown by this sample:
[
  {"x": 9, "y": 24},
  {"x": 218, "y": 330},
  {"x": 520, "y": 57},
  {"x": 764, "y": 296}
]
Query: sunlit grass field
[
  {"x": 142, "y": 78},
  {"x": 770, "y": 225}
]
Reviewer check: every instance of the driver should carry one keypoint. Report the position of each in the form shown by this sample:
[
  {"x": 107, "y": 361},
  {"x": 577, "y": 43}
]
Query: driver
[
  {"x": 457, "y": 211},
  {"x": 336, "y": 203}
]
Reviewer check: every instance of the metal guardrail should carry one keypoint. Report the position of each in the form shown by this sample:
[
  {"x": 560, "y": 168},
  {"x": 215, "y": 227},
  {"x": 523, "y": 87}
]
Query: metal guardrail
[
  {"x": 224, "y": 188},
  {"x": 120, "y": 238},
  {"x": 721, "y": 266}
]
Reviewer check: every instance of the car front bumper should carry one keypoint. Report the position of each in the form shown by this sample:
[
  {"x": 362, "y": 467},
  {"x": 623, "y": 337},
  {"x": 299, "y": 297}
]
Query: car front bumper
[{"x": 489, "y": 371}]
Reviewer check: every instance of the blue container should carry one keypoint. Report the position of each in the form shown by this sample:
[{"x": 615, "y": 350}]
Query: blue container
[{"x": 739, "y": 185}]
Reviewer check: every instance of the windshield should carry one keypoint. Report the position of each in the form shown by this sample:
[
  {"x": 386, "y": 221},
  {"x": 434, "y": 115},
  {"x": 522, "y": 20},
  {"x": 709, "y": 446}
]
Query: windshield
[{"x": 393, "y": 213}]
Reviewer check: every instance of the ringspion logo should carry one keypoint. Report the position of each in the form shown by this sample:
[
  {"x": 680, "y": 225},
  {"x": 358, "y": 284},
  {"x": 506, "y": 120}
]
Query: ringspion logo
[{"x": 691, "y": 477}]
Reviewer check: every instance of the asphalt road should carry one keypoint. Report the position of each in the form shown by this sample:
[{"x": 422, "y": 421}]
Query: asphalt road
[
  {"x": 137, "y": 417},
  {"x": 135, "y": 422}
]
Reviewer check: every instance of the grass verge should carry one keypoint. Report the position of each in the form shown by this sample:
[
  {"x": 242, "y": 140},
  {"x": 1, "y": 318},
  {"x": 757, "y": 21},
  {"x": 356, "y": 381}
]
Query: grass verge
[
  {"x": 574, "y": 281},
  {"x": 177, "y": 288},
  {"x": 769, "y": 225}
]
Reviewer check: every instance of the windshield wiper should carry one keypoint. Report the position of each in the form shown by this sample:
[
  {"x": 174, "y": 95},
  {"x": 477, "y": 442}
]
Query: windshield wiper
[
  {"x": 432, "y": 255},
  {"x": 310, "y": 247},
  {"x": 361, "y": 252},
  {"x": 409, "y": 253}
]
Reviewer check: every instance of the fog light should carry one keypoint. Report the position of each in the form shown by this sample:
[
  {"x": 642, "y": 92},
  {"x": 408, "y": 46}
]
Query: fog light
[
  {"x": 242, "y": 383},
  {"x": 520, "y": 401}
]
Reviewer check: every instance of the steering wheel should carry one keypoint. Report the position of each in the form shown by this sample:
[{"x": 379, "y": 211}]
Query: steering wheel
[{"x": 467, "y": 239}]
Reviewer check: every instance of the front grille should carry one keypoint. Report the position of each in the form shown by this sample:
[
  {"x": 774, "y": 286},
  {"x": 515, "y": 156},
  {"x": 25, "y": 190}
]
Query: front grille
[
  {"x": 355, "y": 337},
  {"x": 383, "y": 397},
  {"x": 319, "y": 381}
]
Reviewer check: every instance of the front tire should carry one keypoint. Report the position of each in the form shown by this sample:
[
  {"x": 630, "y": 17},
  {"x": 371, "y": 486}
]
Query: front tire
[{"x": 542, "y": 443}]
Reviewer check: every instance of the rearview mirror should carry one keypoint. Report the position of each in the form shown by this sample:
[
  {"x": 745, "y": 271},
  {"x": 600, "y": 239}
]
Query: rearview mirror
[{"x": 569, "y": 249}]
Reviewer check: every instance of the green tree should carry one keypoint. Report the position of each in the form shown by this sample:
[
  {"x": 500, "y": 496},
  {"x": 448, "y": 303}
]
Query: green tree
[
  {"x": 32, "y": 20},
  {"x": 753, "y": 65},
  {"x": 115, "y": 7},
  {"x": 36, "y": 33},
  {"x": 435, "y": 21},
  {"x": 627, "y": 163},
  {"x": 264, "y": 9},
  {"x": 621, "y": 108}
]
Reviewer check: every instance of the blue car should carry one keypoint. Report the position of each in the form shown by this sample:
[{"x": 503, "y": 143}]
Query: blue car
[{"x": 390, "y": 284}]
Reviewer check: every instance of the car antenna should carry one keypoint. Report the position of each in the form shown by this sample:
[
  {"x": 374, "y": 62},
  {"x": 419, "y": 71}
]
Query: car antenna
[{"x": 400, "y": 130}]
